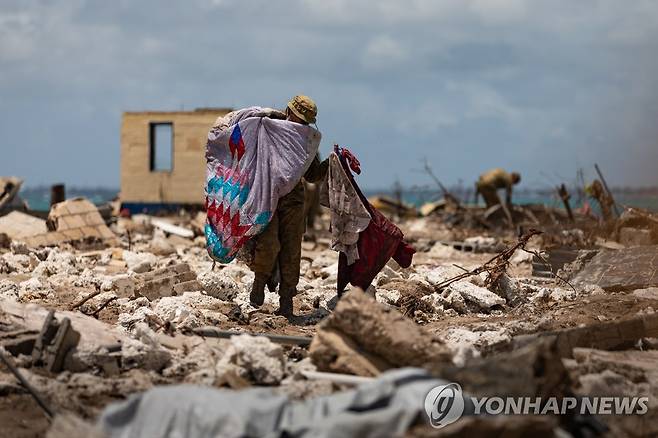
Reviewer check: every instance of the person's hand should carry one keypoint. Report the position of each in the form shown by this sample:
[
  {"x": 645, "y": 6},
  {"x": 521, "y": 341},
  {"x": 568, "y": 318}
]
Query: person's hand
[{"x": 276, "y": 114}]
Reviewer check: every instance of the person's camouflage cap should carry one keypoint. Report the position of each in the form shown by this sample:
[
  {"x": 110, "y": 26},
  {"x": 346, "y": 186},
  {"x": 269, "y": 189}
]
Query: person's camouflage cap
[{"x": 304, "y": 108}]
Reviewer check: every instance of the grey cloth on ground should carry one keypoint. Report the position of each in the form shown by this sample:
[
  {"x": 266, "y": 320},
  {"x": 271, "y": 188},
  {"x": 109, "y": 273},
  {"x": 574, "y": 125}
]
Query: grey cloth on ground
[{"x": 388, "y": 406}]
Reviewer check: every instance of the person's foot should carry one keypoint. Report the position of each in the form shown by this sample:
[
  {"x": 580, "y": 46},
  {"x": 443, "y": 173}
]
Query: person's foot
[
  {"x": 285, "y": 302},
  {"x": 257, "y": 295}
]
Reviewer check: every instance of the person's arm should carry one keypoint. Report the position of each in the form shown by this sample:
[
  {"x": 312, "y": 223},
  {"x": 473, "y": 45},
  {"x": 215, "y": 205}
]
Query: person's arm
[
  {"x": 271, "y": 113},
  {"x": 317, "y": 170},
  {"x": 508, "y": 197}
]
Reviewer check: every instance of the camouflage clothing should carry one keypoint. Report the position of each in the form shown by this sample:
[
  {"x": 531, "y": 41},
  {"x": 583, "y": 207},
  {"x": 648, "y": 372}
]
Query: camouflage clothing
[
  {"x": 489, "y": 184},
  {"x": 282, "y": 239}
]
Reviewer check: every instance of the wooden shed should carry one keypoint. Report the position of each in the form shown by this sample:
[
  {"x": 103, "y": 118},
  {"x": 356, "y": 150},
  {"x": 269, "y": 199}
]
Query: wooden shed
[{"x": 163, "y": 158}]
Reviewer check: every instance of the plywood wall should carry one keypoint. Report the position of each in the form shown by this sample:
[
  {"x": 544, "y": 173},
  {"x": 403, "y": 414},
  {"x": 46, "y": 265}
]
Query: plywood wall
[{"x": 185, "y": 182}]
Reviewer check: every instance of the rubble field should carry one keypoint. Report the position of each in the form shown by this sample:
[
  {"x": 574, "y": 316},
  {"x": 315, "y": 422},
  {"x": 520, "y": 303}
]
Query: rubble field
[{"x": 90, "y": 319}]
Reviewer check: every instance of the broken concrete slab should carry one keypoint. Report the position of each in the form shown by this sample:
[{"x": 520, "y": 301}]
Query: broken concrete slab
[
  {"x": 621, "y": 270},
  {"x": 650, "y": 293},
  {"x": 480, "y": 296},
  {"x": 341, "y": 354},
  {"x": 441, "y": 273},
  {"x": 18, "y": 341},
  {"x": 382, "y": 332},
  {"x": 255, "y": 359},
  {"x": 530, "y": 370},
  {"x": 613, "y": 335},
  {"x": 31, "y": 316},
  {"x": 18, "y": 225},
  {"x": 76, "y": 221},
  {"x": 630, "y": 373},
  {"x": 166, "y": 282},
  {"x": 634, "y": 236}
]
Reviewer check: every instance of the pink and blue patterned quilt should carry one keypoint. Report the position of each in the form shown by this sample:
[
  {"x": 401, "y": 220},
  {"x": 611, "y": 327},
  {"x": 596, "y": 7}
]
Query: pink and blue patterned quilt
[{"x": 252, "y": 160}]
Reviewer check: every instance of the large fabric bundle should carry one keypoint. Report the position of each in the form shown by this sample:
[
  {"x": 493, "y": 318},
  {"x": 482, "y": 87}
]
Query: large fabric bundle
[{"x": 252, "y": 160}]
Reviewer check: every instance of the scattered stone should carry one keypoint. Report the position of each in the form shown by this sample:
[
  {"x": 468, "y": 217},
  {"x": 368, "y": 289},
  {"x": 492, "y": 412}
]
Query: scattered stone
[
  {"x": 124, "y": 285},
  {"x": 176, "y": 312},
  {"x": 559, "y": 294},
  {"x": 145, "y": 353},
  {"x": 481, "y": 297},
  {"x": 18, "y": 247},
  {"x": 198, "y": 366},
  {"x": 511, "y": 289},
  {"x": 483, "y": 243},
  {"x": 8, "y": 290},
  {"x": 324, "y": 259},
  {"x": 390, "y": 297},
  {"x": 160, "y": 245},
  {"x": 139, "y": 262},
  {"x": 628, "y": 373},
  {"x": 33, "y": 289},
  {"x": 219, "y": 285},
  {"x": 19, "y": 263},
  {"x": 466, "y": 344},
  {"x": 521, "y": 257},
  {"x": 441, "y": 251},
  {"x": 650, "y": 293},
  {"x": 140, "y": 315},
  {"x": 334, "y": 352},
  {"x": 455, "y": 300},
  {"x": 253, "y": 358},
  {"x": 386, "y": 275}
]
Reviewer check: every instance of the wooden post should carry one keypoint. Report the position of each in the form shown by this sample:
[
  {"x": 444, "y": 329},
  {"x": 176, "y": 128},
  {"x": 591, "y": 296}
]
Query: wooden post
[
  {"x": 565, "y": 196},
  {"x": 607, "y": 189},
  {"x": 57, "y": 194}
]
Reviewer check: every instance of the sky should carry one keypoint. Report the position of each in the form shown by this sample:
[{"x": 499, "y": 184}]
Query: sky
[{"x": 540, "y": 87}]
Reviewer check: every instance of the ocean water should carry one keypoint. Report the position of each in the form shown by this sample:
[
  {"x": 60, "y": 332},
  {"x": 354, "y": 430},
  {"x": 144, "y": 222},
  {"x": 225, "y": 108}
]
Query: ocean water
[
  {"x": 39, "y": 198},
  {"x": 640, "y": 199}
]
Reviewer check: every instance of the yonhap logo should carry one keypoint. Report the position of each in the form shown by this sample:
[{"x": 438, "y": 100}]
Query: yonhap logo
[{"x": 444, "y": 405}]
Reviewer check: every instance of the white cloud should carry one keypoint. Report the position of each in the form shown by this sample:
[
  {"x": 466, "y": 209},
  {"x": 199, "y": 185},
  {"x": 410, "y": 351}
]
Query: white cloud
[
  {"x": 496, "y": 71},
  {"x": 383, "y": 51},
  {"x": 16, "y": 36},
  {"x": 499, "y": 11}
]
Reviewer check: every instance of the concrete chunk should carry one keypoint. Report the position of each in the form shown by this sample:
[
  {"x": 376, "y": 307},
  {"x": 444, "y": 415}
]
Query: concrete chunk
[
  {"x": 621, "y": 270},
  {"x": 483, "y": 298},
  {"x": 381, "y": 336}
]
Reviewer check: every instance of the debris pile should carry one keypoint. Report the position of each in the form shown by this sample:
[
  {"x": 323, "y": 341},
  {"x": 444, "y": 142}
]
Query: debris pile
[{"x": 92, "y": 313}]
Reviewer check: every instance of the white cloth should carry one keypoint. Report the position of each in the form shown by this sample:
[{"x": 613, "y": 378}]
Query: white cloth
[{"x": 349, "y": 216}]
